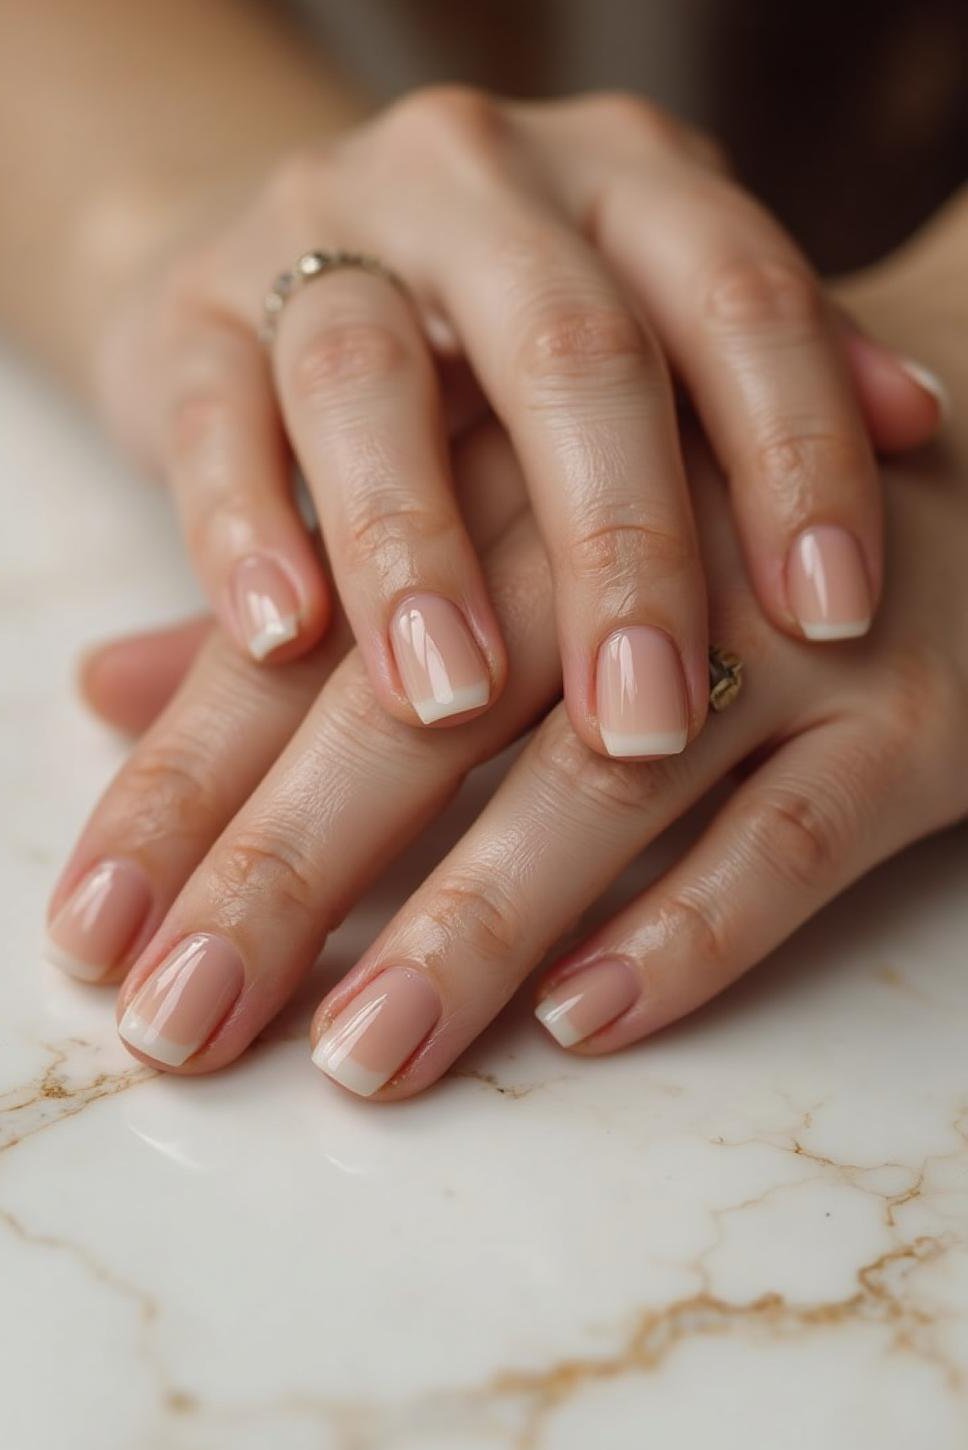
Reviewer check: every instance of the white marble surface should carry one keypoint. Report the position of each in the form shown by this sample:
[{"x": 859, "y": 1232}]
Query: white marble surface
[{"x": 750, "y": 1233}]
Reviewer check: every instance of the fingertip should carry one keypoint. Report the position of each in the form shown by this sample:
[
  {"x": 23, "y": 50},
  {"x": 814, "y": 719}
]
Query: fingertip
[
  {"x": 128, "y": 681},
  {"x": 904, "y": 402},
  {"x": 279, "y": 608},
  {"x": 443, "y": 671}
]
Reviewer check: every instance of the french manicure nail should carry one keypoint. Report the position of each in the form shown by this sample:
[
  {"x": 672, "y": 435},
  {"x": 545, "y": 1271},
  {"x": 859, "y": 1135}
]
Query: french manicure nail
[
  {"x": 381, "y": 1028},
  {"x": 641, "y": 694},
  {"x": 829, "y": 593},
  {"x": 442, "y": 670},
  {"x": 183, "y": 1001},
  {"x": 929, "y": 381},
  {"x": 266, "y": 604},
  {"x": 588, "y": 1000},
  {"x": 100, "y": 919}
]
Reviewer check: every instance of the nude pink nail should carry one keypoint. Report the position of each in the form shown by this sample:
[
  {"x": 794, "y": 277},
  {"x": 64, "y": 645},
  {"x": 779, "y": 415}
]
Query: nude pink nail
[
  {"x": 178, "y": 1008},
  {"x": 588, "y": 1000},
  {"x": 266, "y": 605},
  {"x": 100, "y": 919},
  {"x": 382, "y": 1027},
  {"x": 442, "y": 670},
  {"x": 827, "y": 582},
  {"x": 641, "y": 694},
  {"x": 930, "y": 382}
]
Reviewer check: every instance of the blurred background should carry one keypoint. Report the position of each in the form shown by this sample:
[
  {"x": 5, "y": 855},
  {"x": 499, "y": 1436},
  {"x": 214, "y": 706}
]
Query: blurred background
[{"x": 849, "y": 117}]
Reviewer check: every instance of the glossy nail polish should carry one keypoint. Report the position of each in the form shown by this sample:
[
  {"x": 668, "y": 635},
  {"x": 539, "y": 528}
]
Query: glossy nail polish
[
  {"x": 441, "y": 668},
  {"x": 827, "y": 583},
  {"x": 641, "y": 694},
  {"x": 382, "y": 1027},
  {"x": 180, "y": 1005},
  {"x": 588, "y": 1000},
  {"x": 266, "y": 605},
  {"x": 930, "y": 382},
  {"x": 100, "y": 919}
]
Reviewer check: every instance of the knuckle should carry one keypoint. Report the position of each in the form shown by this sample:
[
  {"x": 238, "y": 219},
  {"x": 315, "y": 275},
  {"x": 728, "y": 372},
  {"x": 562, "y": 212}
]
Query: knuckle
[
  {"x": 359, "y": 353},
  {"x": 762, "y": 293},
  {"x": 384, "y": 521},
  {"x": 264, "y": 867},
  {"x": 478, "y": 912},
  {"x": 922, "y": 715},
  {"x": 789, "y": 465},
  {"x": 691, "y": 919},
  {"x": 616, "y": 554},
  {"x": 583, "y": 784},
  {"x": 360, "y": 731},
  {"x": 796, "y": 837},
  {"x": 629, "y": 114},
  {"x": 577, "y": 343},
  {"x": 166, "y": 791},
  {"x": 443, "y": 115}
]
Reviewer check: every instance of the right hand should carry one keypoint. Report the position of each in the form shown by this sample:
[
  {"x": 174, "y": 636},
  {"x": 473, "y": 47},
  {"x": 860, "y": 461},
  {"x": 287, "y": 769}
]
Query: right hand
[{"x": 560, "y": 256}]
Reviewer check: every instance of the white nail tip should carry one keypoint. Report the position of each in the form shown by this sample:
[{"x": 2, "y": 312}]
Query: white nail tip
[
  {"x": 141, "y": 1035},
  {"x": 930, "y": 382},
  {"x": 469, "y": 697},
  {"x": 850, "y": 629},
  {"x": 273, "y": 636},
  {"x": 671, "y": 742},
  {"x": 73, "y": 966},
  {"x": 342, "y": 1069},
  {"x": 554, "y": 1017}
]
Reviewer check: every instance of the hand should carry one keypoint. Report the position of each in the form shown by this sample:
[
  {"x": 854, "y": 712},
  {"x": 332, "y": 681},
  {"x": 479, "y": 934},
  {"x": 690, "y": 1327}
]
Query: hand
[
  {"x": 216, "y": 891},
  {"x": 570, "y": 252}
]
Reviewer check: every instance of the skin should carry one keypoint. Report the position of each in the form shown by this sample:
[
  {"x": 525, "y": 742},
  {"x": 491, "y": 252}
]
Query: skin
[
  {"x": 564, "y": 262},
  {"x": 846, "y": 757}
]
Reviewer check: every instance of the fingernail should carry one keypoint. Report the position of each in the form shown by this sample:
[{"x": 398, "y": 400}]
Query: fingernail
[
  {"x": 184, "y": 1000},
  {"x": 641, "y": 694},
  {"x": 441, "y": 667},
  {"x": 829, "y": 593},
  {"x": 929, "y": 381},
  {"x": 266, "y": 604},
  {"x": 382, "y": 1027},
  {"x": 100, "y": 919},
  {"x": 588, "y": 1000}
]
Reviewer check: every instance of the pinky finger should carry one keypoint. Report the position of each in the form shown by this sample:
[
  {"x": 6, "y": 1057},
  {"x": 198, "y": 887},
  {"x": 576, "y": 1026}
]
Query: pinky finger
[
  {"x": 821, "y": 812},
  {"x": 228, "y": 465}
]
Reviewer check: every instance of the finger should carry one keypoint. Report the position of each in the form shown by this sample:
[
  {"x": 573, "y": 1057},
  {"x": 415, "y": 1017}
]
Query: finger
[
  {"x": 225, "y": 456},
  {"x": 362, "y": 408},
  {"x": 823, "y": 810},
  {"x": 252, "y": 917},
  {"x": 904, "y": 403},
  {"x": 129, "y": 681},
  {"x": 193, "y": 770},
  {"x": 184, "y": 781},
  {"x": 745, "y": 322},
  {"x": 585, "y": 394},
  {"x": 555, "y": 834}
]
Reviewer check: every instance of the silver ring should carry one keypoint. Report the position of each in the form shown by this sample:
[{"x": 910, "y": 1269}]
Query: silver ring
[{"x": 310, "y": 266}]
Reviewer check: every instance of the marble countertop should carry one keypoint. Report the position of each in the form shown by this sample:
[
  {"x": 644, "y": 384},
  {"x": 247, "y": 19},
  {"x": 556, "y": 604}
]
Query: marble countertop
[{"x": 752, "y": 1232}]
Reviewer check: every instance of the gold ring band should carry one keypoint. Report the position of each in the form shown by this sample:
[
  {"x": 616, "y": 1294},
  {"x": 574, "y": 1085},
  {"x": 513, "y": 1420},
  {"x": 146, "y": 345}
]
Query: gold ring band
[
  {"x": 725, "y": 678},
  {"x": 307, "y": 268}
]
